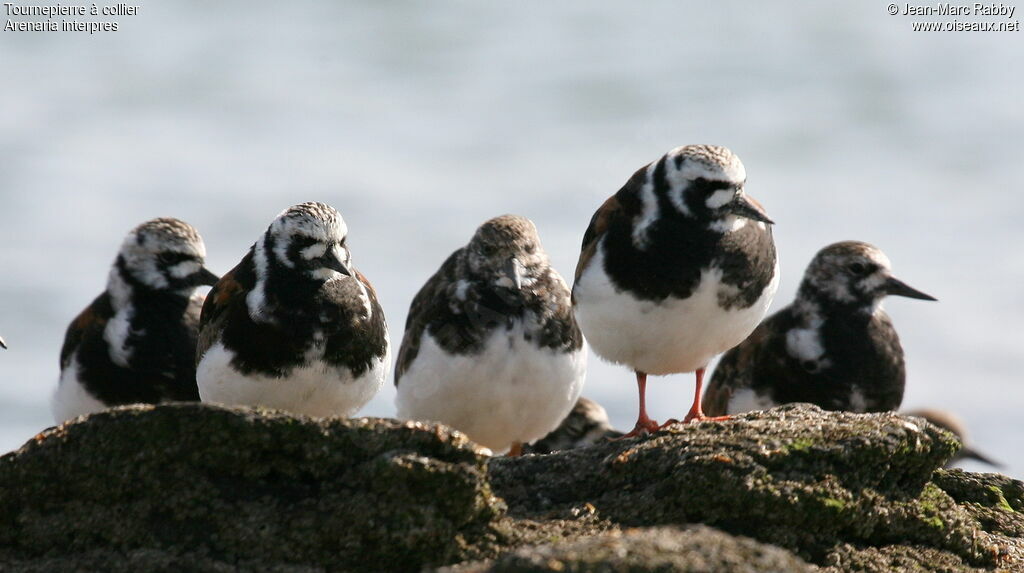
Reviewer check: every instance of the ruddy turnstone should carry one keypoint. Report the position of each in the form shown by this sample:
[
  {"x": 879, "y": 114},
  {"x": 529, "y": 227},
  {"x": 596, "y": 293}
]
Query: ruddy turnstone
[
  {"x": 676, "y": 267},
  {"x": 954, "y": 425},
  {"x": 491, "y": 347},
  {"x": 136, "y": 342},
  {"x": 294, "y": 325},
  {"x": 834, "y": 346},
  {"x": 586, "y": 424}
]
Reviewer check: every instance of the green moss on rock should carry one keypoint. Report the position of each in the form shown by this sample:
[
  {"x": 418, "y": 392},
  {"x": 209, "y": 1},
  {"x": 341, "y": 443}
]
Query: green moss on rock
[
  {"x": 854, "y": 479},
  {"x": 230, "y": 485},
  {"x": 202, "y": 488}
]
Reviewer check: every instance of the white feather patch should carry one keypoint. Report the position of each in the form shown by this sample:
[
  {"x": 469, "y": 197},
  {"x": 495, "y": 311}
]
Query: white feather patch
[
  {"x": 316, "y": 389},
  {"x": 675, "y": 335},
  {"x": 71, "y": 399},
  {"x": 650, "y": 211},
  {"x": 747, "y": 400},
  {"x": 513, "y": 391}
]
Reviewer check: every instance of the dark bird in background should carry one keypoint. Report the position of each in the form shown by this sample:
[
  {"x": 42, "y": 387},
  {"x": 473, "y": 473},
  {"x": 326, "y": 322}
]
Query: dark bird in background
[
  {"x": 294, "y": 325},
  {"x": 136, "y": 342},
  {"x": 491, "y": 347},
  {"x": 676, "y": 267},
  {"x": 586, "y": 424},
  {"x": 954, "y": 425},
  {"x": 833, "y": 346}
]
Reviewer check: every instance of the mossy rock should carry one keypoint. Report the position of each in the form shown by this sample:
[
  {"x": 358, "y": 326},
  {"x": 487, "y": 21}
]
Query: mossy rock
[
  {"x": 236, "y": 485},
  {"x": 795, "y": 476},
  {"x": 658, "y": 549}
]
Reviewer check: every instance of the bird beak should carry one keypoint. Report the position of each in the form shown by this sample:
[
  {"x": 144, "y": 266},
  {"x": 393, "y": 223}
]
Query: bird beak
[
  {"x": 514, "y": 271},
  {"x": 897, "y": 287},
  {"x": 743, "y": 206},
  {"x": 204, "y": 277},
  {"x": 335, "y": 264},
  {"x": 970, "y": 453}
]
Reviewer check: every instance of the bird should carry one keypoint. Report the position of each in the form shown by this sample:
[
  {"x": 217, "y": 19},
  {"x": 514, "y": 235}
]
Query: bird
[
  {"x": 491, "y": 347},
  {"x": 294, "y": 326},
  {"x": 3, "y": 343},
  {"x": 136, "y": 341},
  {"x": 676, "y": 267},
  {"x": 586, "y": 424},
  {"x": 834, "y": 346},
  {"x": 954, "y": 425}
]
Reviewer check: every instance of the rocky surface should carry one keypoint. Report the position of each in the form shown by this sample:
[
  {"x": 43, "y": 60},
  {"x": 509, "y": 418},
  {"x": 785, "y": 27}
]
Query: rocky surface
[{"x": 217, "y": 489}]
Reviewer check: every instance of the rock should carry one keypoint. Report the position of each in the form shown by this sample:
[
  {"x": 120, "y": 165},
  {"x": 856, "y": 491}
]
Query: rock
[
  {"x": 695, "y": 548},
  {"x": 811, "y": 481},
  {"x": 217, "y": 489},
  {"x": 222, "y": 486}
]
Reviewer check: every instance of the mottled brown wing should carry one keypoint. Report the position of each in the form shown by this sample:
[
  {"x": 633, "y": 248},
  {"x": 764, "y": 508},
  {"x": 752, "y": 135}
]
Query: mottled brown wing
[
  {"x": 93, "y": 319},
  {"x": 599, "y": 223},
  {"x": 733, "y": 372},
  {"x": 421, "y": 312},
  {"x": 227, "y": 293}
]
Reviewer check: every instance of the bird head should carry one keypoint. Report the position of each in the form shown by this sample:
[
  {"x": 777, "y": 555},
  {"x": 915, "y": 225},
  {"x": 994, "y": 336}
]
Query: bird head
[
  {"x": 164, "y": 254},
  {"x": 706, "y": 182},
  {"x": 506, "y": 249},
  {"x": 309, "y": 238},
  {"x": 852, "y": 272}
]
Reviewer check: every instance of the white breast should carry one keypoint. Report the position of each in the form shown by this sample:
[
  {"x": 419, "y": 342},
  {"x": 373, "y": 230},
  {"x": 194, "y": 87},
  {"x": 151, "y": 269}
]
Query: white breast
[
  {"x": 512, "y": 391},
  {"x": 747, "y": 400},
  {"x": 674, "y": 335},
  {"x": 316, "y": 389},
  {"x": 71, "y": 399}
]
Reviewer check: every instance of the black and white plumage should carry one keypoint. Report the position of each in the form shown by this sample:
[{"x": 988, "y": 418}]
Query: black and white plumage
[
  {"x": 136, "y": 342},
  {"x": 833, "y": 346},
  {"x": 676, "y": 267},
  {"x": 491, "y": 347},
  {"x": 586, "y": 424},
  {"x": 294, "y": 326}
]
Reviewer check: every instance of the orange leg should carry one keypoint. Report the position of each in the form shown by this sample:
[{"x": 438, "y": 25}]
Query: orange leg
[
  {"x": 695, "y": 413},
  {"x": 516, "y": 450},
  {"x": 644, "y": 425}
]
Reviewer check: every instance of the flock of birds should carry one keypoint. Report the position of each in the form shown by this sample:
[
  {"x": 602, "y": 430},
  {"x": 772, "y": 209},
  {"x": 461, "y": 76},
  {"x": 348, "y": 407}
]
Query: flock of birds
[{"x": 676, "y": 267}]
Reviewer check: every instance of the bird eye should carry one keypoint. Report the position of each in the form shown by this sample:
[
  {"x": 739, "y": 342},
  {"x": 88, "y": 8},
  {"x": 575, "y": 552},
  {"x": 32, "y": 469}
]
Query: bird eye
[
  {"x": 488, "y": 250},
  {"x": 859, "y": 268},
  {"x": 168, "y": 259}
]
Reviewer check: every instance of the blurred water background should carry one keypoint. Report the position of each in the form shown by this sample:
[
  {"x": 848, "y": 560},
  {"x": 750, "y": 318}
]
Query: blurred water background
[{"x": 420, "y": 120}]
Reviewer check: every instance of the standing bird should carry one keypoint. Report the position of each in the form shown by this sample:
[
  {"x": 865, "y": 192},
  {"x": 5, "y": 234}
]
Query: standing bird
[
  {"x": 491, "y": 347},
  {"x": 294, "y": 326},
  {"x": 676, "y": 267},
  {"x": 834, "y": 346},
  {"x": 136, "y": 342}
]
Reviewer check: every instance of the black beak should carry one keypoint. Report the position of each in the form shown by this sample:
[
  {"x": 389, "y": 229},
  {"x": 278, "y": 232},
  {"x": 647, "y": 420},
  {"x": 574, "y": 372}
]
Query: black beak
[
  {"x": 744, "y": 207},
  {"x": 894, "y": 286},
  {"x": 335, "y": 264},
  {"x": 971, "y": 454},
  {"x": 514, "y": 270},
  {"x": 204, "y": 277}
]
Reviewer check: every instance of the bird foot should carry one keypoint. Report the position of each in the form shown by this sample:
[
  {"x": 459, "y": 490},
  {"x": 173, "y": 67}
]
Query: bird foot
[
  {"x": 668, "y": 423},
  {"x": 643, "y": 427},
  {"x": 700, "y": 417}
]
